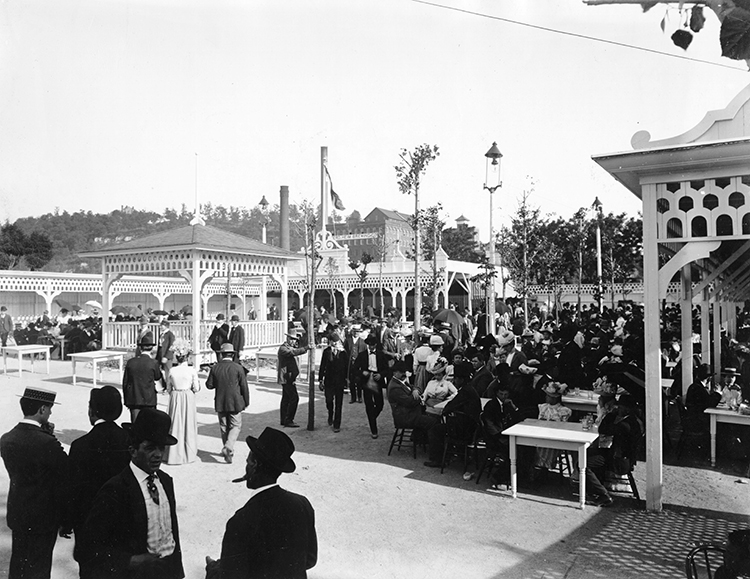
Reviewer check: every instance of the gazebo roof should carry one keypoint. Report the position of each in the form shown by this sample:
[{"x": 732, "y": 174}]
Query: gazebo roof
[{"x": 201, "y": 237}]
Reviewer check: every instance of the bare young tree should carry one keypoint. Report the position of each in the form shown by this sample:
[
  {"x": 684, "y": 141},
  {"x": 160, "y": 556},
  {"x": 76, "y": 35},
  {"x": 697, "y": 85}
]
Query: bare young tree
[{"x": 409, "y": 177}]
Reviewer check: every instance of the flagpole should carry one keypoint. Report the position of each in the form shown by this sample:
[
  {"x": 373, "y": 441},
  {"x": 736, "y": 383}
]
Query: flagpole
[{"x": 324, "y": 187}]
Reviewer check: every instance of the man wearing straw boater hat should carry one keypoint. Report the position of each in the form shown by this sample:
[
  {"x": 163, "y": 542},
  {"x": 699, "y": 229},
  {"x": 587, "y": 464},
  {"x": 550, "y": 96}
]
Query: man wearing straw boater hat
[
  {"x": 140, "y": 378},
  {"x": 131, "y": 530},
  {"x": 273, "y": 535},
  {"x": 37, "y": 467}
]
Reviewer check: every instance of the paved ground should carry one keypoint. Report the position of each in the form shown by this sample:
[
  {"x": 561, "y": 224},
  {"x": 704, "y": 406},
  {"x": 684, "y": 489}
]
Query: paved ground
[{"x": 382, "y": 516}]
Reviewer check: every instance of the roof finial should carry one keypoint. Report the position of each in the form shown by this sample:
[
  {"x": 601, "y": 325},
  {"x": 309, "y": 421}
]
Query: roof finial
[{"x": 197, "y": 219}]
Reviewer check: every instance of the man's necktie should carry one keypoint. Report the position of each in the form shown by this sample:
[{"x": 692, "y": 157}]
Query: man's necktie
[{"x": 152, "y": 490}]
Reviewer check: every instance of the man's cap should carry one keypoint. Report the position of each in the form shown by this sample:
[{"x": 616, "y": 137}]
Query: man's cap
[
  {"x": 444, "y": 326},
  {"x": 153, "y": 425},
  {"x": 436, "y": 341},
  {"x": 527, "y": 333},
  {"x": 273, "y": 447},
  {"x": 106, "y": 402},
  {"x": 234, "y": 318},
  {"x": 293, "y": 333},
  {"x": 3, "y": 309},
  {"x": 40, "y": 395},
  {"x": 220, "y": 316},
  {"x": 227, "y": 348}
]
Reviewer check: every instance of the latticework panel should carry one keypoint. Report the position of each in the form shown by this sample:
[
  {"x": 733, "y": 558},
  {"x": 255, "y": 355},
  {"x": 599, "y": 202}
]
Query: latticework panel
[
  {"x": 161, "y": 262},
  {"x": 703, "y": 208}
]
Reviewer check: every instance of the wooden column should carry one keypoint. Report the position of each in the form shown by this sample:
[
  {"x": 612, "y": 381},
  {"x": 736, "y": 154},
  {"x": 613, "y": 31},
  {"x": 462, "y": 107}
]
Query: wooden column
[
  {"x": 651, "y": 295},
  {"x": 686, "y": 328}
]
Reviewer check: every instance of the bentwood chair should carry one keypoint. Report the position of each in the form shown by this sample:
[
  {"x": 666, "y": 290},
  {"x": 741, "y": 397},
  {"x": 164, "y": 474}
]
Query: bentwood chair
[
  {"x": 703, "y": 560},
  {"x": 459, "y": 435},
  {"x": 398, "y": 440}
]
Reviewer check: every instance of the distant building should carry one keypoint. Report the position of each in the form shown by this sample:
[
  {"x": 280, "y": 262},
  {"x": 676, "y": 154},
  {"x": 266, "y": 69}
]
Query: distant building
[{"x": 362, "y": 236}]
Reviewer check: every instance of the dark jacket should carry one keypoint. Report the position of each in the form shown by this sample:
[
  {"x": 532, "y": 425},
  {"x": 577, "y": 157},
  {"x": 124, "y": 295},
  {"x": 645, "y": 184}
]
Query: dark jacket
[
  {"x": 362, "y": 364},
  {"x": 37, "y": 466},
  {"x": 237, "y": 339},
  {"x": 466, "y": 401},
  {"x": 333, "y": 368},
  {"x": 287, "y": 369},
  {"x": 218, "y": 336},
  {"x": 271, "y": 537},
  {"x": 138, "y": 381},
  {"x": 481, "y": 380},
  {"x": 94, "y": 458},
  {"x": 166, "y": 341},
  {"x": 405, "y": 408},
  {"x": 230, "y": 382},
  {"x": 116, "y": 529}
]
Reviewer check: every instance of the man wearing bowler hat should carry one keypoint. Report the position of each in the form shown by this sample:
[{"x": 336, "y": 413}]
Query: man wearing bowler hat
[
  {"x": 139, "y": 380},
  {"x": 37, "y": 466},
  {"x": 131, "y": 530},
  {"x": 236, "y": 337},
  {"x": 273, "y": 535},
  {"x": 95, "y": 458},
  {"x": 145, "y": 335},
  {"x": 219, "y": 335},
  {"x": 287, "y": 372},
  {"x": 229, "y": 380}
]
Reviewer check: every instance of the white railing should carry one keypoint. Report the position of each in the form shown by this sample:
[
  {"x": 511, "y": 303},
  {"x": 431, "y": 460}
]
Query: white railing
[{"x": 258, "y": 334}]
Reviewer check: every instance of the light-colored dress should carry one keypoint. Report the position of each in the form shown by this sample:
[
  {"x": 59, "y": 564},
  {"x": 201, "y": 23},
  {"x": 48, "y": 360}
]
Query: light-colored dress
[
  {"x": 437, "y": 391},
  {"x": 547, "y": 457},
  {"x": 182, "y": 386},
  {"x": 421, "y": 355}
]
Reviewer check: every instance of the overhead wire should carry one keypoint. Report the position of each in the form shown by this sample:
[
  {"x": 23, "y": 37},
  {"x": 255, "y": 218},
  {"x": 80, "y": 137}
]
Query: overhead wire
[{"x": 577, "y": 35}]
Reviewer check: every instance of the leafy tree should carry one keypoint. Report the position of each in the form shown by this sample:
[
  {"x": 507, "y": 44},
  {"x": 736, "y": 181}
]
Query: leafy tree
[
  {"x": 21, "y": 251},
  {"x": 360, "y": 268},
  {"x": 460, "y": 243},
  {"x": 734, "y": 16},
  {"x": 409, "y": 177}
]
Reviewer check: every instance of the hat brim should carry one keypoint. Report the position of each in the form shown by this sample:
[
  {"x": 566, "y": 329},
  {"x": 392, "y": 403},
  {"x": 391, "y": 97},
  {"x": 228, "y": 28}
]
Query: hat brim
[
  {"x": 287, "y": 466},
  {"x": 36, "y": 400},
  {"x": 169, "y": 440}
]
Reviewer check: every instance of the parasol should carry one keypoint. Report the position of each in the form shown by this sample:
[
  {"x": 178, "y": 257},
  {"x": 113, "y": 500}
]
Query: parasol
[
  {"x": 135, "y": 311},
  {"x": 453, "y": 318},
  {"x": 94, "y": 304},
  {"x": 187, "y": 310},
  {"x": 117, "y": 310},
  {"x": 160, "y": 312}
]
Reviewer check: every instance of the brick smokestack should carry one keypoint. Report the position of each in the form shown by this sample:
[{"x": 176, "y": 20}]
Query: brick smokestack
[{"x": 284, "y": 216}]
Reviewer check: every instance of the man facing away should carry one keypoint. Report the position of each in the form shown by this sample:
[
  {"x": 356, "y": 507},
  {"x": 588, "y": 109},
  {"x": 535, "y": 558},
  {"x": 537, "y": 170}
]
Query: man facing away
[
  {"x": 287, "y": 373},
  {"x": 95, "y": 458},
  {"x": 139, "y": 380},
  {"x": 37, "y": 466},
  {"x": 273, "y": 536},
  {"x": 131, "y": 531},
  {"x": 232, "y": 396}
]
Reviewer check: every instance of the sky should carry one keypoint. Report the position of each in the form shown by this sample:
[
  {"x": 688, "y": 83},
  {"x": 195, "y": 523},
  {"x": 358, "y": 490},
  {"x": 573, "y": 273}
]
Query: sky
[{"x": 111, "y": 103}]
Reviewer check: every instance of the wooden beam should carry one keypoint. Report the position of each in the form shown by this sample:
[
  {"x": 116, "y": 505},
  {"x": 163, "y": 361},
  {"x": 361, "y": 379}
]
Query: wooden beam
[{"x": 719, "y": 270}]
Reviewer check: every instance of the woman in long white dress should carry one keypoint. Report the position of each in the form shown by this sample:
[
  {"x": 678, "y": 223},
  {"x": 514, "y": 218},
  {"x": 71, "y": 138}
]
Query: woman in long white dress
[{"x": 182, "y": 386}]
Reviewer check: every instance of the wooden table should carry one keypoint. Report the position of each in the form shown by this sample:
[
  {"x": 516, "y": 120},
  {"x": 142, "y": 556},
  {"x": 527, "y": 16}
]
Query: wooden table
[
  {"x": 265, "y": 355},
  {"x": 96, "y": 357},
  {"x": 550, "y": 434},
  {"x": 19, "y": 351},
  {"x": 723, "y": 414},
  {"x": 440, "y": 406},
  {"x": 581, "y": 401}
]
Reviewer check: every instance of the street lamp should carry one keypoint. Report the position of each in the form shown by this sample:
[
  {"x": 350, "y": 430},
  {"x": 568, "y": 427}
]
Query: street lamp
[
  {"x": 492, "y": 183},
  {"x": 597, "y": 207},
  {"x": 264, "y": 210}
]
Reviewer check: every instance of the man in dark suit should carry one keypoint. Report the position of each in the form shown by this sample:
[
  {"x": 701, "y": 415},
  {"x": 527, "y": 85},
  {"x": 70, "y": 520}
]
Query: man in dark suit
[
  {"x": 232, "y": 396},
  {"x": 273, "y": 535},
  {"x": 219, "y": 336},
  {"x": 354, "y": 346},
  {"x": 370, "y": 369},
  {"x": 94, "y": 459},
  {"x": 165, "y": 354},
  {"x": 37, "y": 466},
  {"x": 482, "y": 376},
  {"x": 6, "y": 326},
  {"x": 332, "y": 376},
  {"x": 131, "y": 530},
  {"x": 236, "y": 337},
  {"x": 139, "y": 380},
  {"x": 286, "y": 374}
]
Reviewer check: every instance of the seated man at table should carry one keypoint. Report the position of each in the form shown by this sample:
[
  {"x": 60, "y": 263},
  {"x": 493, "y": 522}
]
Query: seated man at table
[
  {"x": 615, "y": 450},
  {"x": 700, "y": 395},
  {"x": 406, "y": 405},
  {"x": 500, "y": 413}
]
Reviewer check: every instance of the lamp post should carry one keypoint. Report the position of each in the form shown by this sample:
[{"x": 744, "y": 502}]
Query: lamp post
[
  {"x": 492, "y": 183},
  {"x": 264, "y": 210},
  {"x": 597, "y": 207}
]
